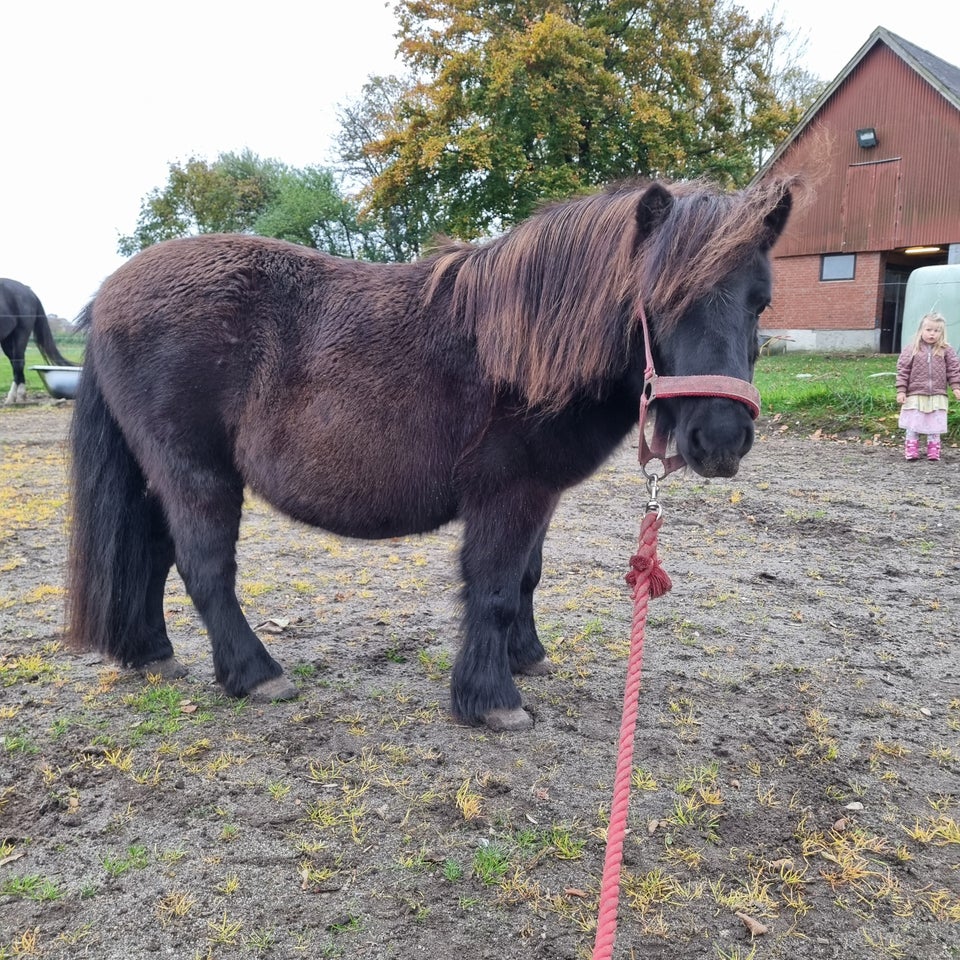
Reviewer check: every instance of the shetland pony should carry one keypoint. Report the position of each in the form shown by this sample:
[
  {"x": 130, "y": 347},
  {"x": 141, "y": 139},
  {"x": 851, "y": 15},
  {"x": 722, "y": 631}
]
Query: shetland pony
[{"x": 379, "y": 400}]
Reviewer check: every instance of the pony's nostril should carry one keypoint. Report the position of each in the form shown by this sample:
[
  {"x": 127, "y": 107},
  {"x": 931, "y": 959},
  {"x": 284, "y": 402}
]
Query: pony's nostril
[{"x": 696, "y": 442}]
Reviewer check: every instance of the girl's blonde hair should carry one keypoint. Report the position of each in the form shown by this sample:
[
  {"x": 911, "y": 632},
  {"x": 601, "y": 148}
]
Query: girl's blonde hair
[{"x": 939, "y": 319}]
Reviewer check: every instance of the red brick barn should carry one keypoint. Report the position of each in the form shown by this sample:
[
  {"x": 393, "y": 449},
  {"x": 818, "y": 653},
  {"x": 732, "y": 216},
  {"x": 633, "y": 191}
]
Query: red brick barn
[{"x": 882, "y": 144}]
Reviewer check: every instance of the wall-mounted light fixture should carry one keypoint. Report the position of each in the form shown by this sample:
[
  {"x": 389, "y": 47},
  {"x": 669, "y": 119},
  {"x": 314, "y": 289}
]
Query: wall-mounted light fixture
[
  {"x": 867, "y": 138},
  {"x": 915, "y": 250}
]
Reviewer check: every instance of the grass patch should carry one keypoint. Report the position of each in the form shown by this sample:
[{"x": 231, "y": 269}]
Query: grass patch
[
  {"x": 134, "y": 858},
  {"x": 31, "y": 888},
  {"x": 165, "y": 710},
  {"x": 836, "y": 393},
  {"x": 26, "y": 668},
  {"x": 19, "y": 743},
  {"x": 490, "y": 864}
]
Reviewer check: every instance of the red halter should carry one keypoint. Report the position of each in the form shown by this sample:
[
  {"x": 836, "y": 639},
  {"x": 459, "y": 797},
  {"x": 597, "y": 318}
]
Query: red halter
[{"x": 704, "y": 385}]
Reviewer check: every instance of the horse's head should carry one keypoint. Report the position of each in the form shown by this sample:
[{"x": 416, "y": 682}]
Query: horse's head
[{"x": 707, "y": 279}]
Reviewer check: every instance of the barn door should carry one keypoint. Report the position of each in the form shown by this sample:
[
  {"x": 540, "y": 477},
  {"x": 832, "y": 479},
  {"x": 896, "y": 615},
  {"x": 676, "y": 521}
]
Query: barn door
[{"x": 871, "y": 206}]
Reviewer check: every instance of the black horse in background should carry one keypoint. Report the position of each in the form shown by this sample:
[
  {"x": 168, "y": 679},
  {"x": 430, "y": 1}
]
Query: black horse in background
[
  {"x": 379, "y": 400},
  {"x": 22, "y": 315}
]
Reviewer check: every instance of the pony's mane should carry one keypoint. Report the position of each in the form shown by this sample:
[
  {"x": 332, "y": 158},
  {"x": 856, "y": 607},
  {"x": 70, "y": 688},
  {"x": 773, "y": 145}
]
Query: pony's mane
[{"x": 554, "y": 303}]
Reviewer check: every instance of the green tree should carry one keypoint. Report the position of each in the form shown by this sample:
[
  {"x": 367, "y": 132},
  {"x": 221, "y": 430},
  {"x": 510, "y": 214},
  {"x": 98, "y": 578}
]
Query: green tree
[
  {"x": 242, "y": 193},
  {"x": 520, "y": 101},
  {"x": 309, "y": 209},
  {"x": 226, "y": 196}
]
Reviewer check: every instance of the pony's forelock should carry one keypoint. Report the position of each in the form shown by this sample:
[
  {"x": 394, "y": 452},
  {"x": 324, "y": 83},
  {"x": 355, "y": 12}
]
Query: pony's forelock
[{"x": 707, "y": 235}]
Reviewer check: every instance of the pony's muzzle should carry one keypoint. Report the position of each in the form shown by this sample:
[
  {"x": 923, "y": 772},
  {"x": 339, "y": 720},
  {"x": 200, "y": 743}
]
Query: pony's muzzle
[{"x": 714, "y": 435}]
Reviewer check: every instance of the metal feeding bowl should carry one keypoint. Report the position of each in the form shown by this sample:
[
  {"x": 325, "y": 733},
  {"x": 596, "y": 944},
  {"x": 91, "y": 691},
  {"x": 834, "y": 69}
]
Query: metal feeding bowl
[{"x": 61, "y": 382}]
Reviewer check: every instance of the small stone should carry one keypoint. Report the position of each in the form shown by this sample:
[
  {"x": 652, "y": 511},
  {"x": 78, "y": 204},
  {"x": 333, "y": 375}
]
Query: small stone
[{"x": 755, "y": 927}]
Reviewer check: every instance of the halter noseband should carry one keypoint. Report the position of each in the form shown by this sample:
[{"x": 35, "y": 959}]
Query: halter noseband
[{"x": 704, "y": 385}]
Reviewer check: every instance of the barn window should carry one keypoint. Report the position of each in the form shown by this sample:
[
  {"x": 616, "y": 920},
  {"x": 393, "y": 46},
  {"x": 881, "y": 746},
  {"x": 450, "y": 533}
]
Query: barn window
[{"x": 838, "y": 266}]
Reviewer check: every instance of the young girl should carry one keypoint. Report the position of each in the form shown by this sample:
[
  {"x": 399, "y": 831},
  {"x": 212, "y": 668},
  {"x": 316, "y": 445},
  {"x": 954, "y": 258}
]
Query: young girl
[{"x": 924, "y": 371}]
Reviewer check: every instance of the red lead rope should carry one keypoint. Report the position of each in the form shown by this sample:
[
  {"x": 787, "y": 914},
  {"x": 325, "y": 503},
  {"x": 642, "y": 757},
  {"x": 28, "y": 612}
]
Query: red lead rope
[{"x": 648, "y": 579}]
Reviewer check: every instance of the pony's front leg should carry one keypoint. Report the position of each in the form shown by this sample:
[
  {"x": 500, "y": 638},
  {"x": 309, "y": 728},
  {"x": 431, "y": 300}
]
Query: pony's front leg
[
  {"x": 499, "y": 539},
  {"x": 524, "y": 648}
]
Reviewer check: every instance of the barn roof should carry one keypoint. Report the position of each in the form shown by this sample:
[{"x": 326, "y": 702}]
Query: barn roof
[{"x": 943, "y": 76}]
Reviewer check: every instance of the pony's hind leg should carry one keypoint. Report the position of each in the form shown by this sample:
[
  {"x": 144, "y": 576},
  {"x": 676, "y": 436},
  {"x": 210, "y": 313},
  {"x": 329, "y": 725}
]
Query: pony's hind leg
[
  {"x": 203, "y": 515},
  {"x": 158, "y": 651},
  {"x": 526, "y": 652},
  {"x": 500, "y": 545},
  {"x": 18, "y": 389}
]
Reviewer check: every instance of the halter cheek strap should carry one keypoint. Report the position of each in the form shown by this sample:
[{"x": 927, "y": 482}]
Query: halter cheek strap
[{"x": 706, "y": 385}]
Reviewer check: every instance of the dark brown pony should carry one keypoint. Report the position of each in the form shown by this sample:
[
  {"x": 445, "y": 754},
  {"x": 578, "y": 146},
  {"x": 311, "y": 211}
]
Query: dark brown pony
[
  {"x": 381, "y": 400},
  {"x": 22, "y": 316}
]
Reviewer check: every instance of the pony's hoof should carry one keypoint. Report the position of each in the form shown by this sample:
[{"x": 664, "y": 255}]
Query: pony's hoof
[
  {"x": 168, "y": 669},
  {"x": 540, "y": 668},
  {"x": 504, "y": 720},
  {"x": 279, "y": 688}
]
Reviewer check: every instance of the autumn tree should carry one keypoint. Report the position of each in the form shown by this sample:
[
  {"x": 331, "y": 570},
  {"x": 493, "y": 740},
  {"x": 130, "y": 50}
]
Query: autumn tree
[{"x": 516, "y": 102}]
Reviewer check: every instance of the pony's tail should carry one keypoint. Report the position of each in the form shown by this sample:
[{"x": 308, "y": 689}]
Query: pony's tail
[
  {"x": 47, "y": 345},
  {"x": 109, "y": 561}
]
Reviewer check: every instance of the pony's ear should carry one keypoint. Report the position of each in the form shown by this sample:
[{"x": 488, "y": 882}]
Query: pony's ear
[
  {"x": 776, "y": 219},
  {"x": 652, "y": 209}
]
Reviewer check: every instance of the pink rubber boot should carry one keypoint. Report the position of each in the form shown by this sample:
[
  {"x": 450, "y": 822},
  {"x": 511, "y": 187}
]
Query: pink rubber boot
[
  {"x": 911, "y": 450},
  {"x": 933, "y": 449}
]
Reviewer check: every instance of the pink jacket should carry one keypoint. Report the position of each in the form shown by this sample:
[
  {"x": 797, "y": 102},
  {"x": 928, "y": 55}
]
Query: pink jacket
[{"x": 927, "y": 373}]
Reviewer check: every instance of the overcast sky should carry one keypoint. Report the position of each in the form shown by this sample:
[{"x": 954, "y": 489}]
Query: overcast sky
[{"x": 100, "y": 97}]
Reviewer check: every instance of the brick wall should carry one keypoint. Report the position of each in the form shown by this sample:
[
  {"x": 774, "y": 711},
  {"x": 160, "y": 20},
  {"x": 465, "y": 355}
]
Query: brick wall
[{"x": 801, "y": 300}]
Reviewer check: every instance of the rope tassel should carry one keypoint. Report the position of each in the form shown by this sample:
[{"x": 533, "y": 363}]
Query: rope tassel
[{"x": 659, "y": 581}]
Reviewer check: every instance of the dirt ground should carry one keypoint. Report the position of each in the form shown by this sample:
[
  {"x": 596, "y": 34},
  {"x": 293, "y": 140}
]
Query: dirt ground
[{"x": 796, "y": 763}]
